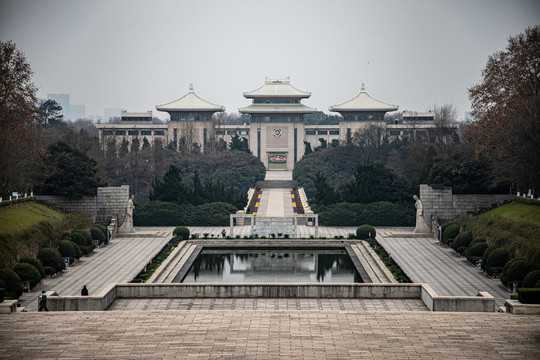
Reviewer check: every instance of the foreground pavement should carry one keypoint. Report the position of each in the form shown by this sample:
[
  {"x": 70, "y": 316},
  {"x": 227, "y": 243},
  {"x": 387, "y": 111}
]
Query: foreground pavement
[
  {"x": 425, "y": 261},
  {"x": 268, "y": 335}
]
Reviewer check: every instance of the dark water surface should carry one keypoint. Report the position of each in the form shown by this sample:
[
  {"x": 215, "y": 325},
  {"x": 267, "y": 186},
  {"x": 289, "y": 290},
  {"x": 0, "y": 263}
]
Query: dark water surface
[{"x": 263, "y": 266}]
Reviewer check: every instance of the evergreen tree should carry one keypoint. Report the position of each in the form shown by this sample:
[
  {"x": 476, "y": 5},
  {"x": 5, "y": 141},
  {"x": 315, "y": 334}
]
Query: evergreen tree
[
  {"x": 307, "y": 146},
  {"x": 325, "y": 193},
  {"x": 170, "y": 188},
  {"x": 146, "y": 143}
]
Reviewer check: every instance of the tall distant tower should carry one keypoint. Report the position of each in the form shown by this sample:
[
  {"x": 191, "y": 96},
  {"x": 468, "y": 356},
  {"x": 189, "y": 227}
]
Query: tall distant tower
[{"x": 277, "y": 123}]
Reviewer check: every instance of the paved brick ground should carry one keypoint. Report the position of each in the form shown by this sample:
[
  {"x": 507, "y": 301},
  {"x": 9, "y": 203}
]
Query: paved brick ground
[
  {"x": 269, "y": 304},
  {"x": 425, "y": 261},
  {"x": 268, "y": 335}
]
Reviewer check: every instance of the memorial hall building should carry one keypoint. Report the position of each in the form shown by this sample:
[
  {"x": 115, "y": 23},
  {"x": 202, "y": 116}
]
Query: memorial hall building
[{"x": 276, "y": 131}]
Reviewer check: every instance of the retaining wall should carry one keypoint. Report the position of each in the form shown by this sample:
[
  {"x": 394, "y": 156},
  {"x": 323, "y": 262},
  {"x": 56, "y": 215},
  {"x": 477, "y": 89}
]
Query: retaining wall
[
  {"x": 442, "y": 205},
  {"x": 108, "y": 203},
  {"x": 482, "y": 303}
]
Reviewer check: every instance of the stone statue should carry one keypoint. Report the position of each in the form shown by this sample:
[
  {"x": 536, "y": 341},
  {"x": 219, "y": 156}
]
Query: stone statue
[
  {"x": 127, "y": 226},
  {"x": 421, "y": 225}
]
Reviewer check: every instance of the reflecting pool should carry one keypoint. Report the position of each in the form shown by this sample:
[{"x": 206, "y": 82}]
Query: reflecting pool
[{"x": 263, "y": 266}]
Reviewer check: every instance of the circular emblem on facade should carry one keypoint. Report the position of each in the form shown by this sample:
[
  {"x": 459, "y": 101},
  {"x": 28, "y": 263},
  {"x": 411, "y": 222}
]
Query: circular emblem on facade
[{"x": 277, "y": 132}]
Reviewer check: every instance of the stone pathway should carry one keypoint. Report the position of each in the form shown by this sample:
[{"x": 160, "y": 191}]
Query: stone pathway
[
  {"x": 269, "y": 334},
  {"x": 118, "y": 262},
  {"x": 269, "y": 304},
  {"x": 425, "y": 261},
  {"x": 275, "y": 203}
]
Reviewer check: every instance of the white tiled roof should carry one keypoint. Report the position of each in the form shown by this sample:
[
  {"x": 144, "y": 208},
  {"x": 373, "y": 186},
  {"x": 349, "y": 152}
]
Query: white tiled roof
[
  {"x": 277, "y": 88},
  {"x": 363, "y": 102},
  {"x": 277, "y": 108},
  {"x": 190, "y": 102}
]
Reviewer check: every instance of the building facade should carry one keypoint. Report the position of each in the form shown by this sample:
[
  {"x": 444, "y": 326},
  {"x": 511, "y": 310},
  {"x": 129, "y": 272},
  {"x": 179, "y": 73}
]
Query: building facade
[{"x": 276, "y": 131}]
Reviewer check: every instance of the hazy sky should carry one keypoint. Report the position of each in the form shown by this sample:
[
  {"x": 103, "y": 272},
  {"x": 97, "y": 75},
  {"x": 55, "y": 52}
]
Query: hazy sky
[{"x": 136, "y": 54}]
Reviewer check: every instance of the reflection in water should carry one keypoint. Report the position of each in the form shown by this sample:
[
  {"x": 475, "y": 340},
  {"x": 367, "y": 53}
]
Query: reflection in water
[{"x": 258, "y": 266}]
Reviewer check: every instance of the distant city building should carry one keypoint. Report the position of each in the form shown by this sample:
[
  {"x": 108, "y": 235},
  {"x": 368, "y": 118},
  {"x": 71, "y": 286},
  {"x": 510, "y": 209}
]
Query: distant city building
[
  {"x": 276, "y": 131},
  {"x": 77, "y": 112},
  {"x": 69, "y": 112},
  {"x": 113, "y": 112}
]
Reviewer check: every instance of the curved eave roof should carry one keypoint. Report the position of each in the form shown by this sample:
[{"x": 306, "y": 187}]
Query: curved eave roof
[
  {"x": 363, "y": 102},
  {"x": 277, "y": 108},
  {"x": 190, "y": 102},
  {"x": 277, "y": 89}
]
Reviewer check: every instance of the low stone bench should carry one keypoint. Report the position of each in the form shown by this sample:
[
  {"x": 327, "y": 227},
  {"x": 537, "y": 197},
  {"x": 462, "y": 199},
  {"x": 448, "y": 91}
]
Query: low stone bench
[{"x": 8, "y": 306}]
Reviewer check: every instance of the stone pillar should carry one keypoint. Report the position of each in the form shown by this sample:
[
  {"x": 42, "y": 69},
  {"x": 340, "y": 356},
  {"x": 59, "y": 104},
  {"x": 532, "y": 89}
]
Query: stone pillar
[{"x": 231, "y": 225}]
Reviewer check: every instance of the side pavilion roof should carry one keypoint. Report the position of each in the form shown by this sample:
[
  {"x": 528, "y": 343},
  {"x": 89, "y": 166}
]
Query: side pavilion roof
[
  {"x": 190, "y": 102},
  {"x": 363, "y": 102},
  {"x": 277, "y": 88}
]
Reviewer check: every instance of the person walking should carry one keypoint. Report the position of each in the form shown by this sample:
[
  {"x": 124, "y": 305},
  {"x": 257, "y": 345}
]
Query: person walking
[
  {"x": 42, "y": 301},
  {"x": 84, "y": 291},
  {"x": 223, "y": 233}
]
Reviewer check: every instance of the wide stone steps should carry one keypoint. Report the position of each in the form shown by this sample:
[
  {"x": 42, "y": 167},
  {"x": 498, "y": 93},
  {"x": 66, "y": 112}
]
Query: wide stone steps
[
  {"x": 375, "y": 268},
  {"x": 174, "y": 262}
]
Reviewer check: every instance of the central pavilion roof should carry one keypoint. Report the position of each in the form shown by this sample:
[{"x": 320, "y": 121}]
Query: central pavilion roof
[
  {"x": 277, "y": 88},
  {"x": 190, "y": 102},
  {"x": 363, "y": 102}
]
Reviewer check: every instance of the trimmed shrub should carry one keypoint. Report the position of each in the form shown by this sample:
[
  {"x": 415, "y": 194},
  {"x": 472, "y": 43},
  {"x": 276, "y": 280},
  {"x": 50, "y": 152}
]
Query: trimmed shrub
[
  {"x": 85, "y": 234},
  {"x": 182, "y": 232},
  {"x": 97, "y": 234},
  {"x": 488, "y": 251},
  {"x": 78, "y": 239},
  {"x": 87, "y": 249},
  {"x": 365, "y": 232},
  {"x": 28, "y": 272},
  {"x": 49, "y": 270},
  {"x": 102, "y": 228},
  {"x": 463, "y": 239},
  {"x": 476, "y": 241},
  {"x": 532, "y": 279},
  {"x": 450, "y": 233},
  {"x": 446, "y": 225},
  {"x": 35, "y": 263},
  {"x": 477, "y": 249},
  {"x": 508, "y": 264},
  {"x": 66, "y": 249},
  {"x": 518, "y": 270},
  {"x": 51, "y": 257},
  {"x": 537, "y": 285},
  {"x": 529, "y": 296},
  {"x": 497, "y": 258},
  {"x": 12, "y": 282},
  {"x": 78, "y": 251}
]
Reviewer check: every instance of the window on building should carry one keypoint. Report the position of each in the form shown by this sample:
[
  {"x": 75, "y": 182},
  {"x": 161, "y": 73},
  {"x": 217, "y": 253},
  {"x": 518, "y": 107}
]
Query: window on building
[
  {"x": 120, "y": 132},
  {"x": 159, "y": 132},
  {"x": 107, "y": 132},
  {"x": 334, "y": 132},
  {"x": 220, "y": 132},
  {"x": 231, "y": 132},
  {"x": 322, "y": 132},
  {"x": 146, "y": 132},
  {"x": 243, "y": 132},
  {"x": 311, "y": 132},
  {"x": 395, "y": 132},
  {"x": 133, "y": 132}
]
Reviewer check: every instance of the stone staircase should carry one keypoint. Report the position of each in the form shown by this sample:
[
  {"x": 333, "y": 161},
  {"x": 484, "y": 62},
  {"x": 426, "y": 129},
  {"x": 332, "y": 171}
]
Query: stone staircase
[{"x": 168, "y": 270}]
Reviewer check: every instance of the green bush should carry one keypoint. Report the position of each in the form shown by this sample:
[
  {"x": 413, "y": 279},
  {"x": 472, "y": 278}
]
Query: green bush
[
  {"x": 87, "y": 249},
  {"x": 78, "y": 251},
  {"x": 102, "y": 228},
  {"x": 476, "y": 241},
  {"x": 463, "y": 239},
  {"x": 531, "y": 279},
  {"x": 529, "y": 296},
  {"x": 66, "y": 249},
  {"x": 497, "y": 258},
  {"x": 446, "y": 225},
  {"x": 537, "y": 285},
  {"x": 12, "y": 282},
  {"x": 51, "y": 257},
  {"x": 518, "y": 270},
  {"x": 97, "y": 234},
  {"x": 182, "y": 232},
  {"x": 365, "y": 231},
  {"x": 508, "y": 264},
  {"x": 376, "y": 213},
  {"x": 477, "y": 249},
  {"x": 450, "y": 233},
  {"x": 35, "y": 263},
  {"x": 488, "y": 251},
  {"x": 28, "y": 272},
  {"x": 78, "y": 238}
]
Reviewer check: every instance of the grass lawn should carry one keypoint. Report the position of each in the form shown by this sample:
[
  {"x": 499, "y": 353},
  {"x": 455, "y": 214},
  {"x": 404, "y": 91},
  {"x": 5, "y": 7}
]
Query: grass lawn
[
  {"x": 519, "y": 212},
  {"x": 24, "y": 215}
]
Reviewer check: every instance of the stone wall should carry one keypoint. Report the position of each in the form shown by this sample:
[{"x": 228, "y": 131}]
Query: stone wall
[
  {"x": 108, "y": 203},
  {"x": 442, "y": 205}
]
